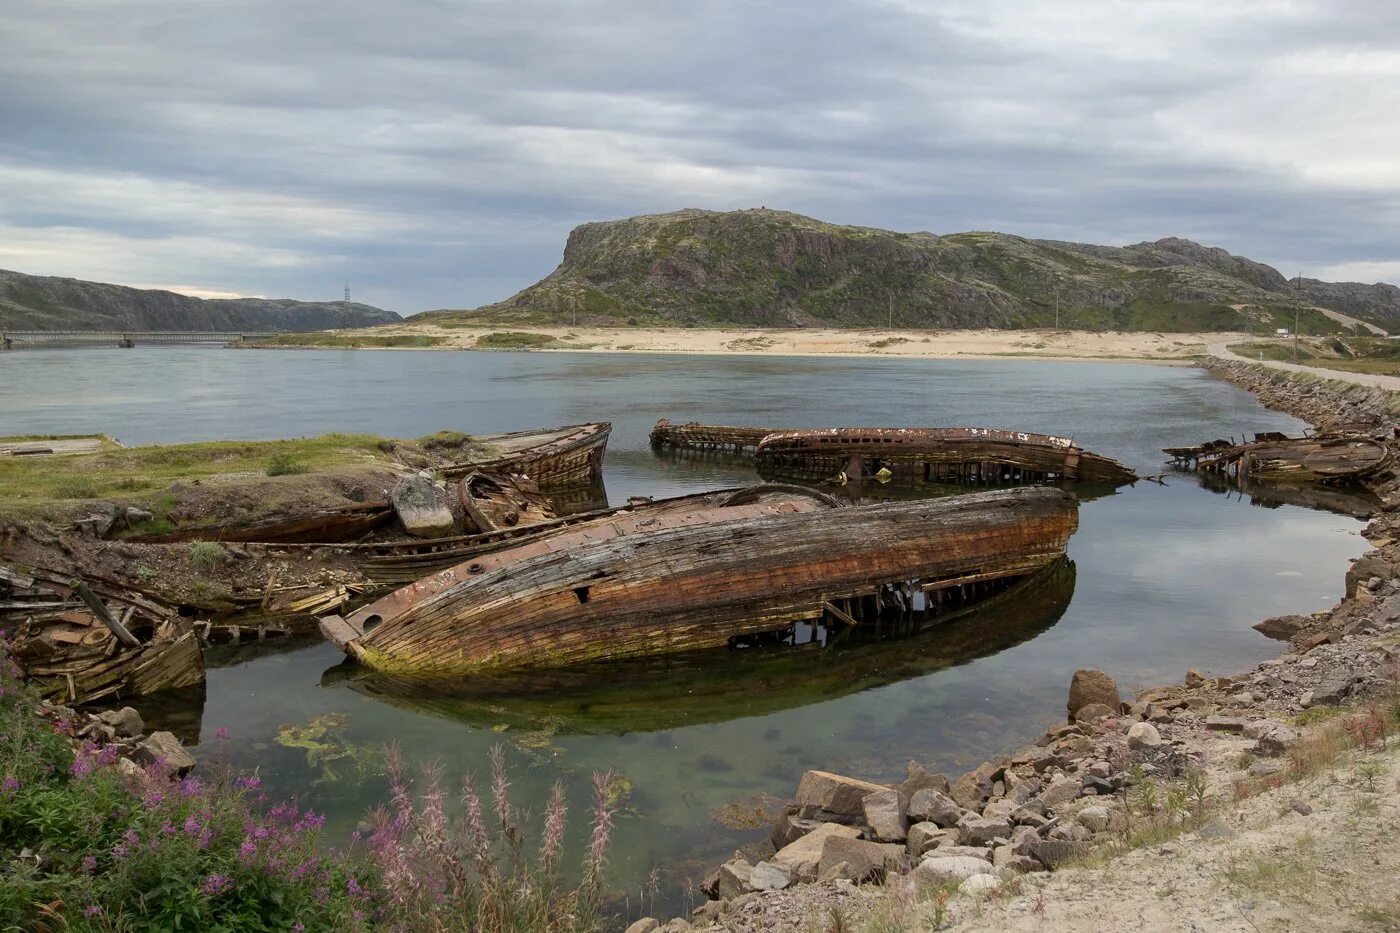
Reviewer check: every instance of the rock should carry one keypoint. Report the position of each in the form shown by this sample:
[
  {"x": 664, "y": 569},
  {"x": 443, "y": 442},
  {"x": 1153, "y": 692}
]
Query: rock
[
  {"x": 96, "y": 525},
  {"x": 924, "y": 837},
  {"x": 1022, "y": 865},
  {"x": 1260, "y": 727},
  {"x": 1265, "y": 769},
  {"x": 125, "y": 721},
  {"x": 1061, "y": 791},
  {"x": 1215, "y": 829},
  {"x": 975, "y": 786},
  {"x": 130, "y": 770},
  {"x": 1225, "y": 724},
  {"x": 1024, "y": 839},
  {"x": 956, "y": 851},
  {"x": 1300, "y": 808},
  {"x": 674, "y": 926},
  {"x": 931, "y": 806},
  {"x": 1090, "y": 686},
  {"x": 1194, "y": 678},
  {"x": 97, "y": 730},
  {"x": 135, "y": 516},
  {"x": 1095, "y": 819},
  {"x": 1094, "y": 711},
  {"x": 834, "y": 796},
  {"x": 1101, "y": 769},
  {"x": 885, "y": 816},
  {"x": 940, "y": 871},
  {"x": 1282, "y": 628},
  {"x": 1143, "y": 735},
  {"x": 864, "y": 860},
  {"x": 1000, "y": 808},
  {"x": 918, "y": 779},
  {"x": 734, "y": 879},
  {"x": 422, "y": 507},
  {"x": 644, "y": 925},
  {"x": 979, "y": 884},
  {"x": 980, "y": 831},
  {"x": 1333, "y": 689},
  {"x": 1054, "y": 852},
  {"x": 1277, "y": 742},
  {"x": 802, "y": 857},
  {"x": 711, "y": 911},
  {"x": 165, "y": 748},
  {"x": 789, "y": 828},
  {"x": 769, "y": 877}
]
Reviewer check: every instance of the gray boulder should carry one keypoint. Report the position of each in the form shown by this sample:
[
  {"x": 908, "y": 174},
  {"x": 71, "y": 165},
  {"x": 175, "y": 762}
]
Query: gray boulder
[
  {"x": 164, "y": 748},
  {"x": 1282, "y": 628},
  {"x": 885, "y": 816},
  {"x": 1092, "y": 686},
  {"x": 931, "y": 806},
  {"x": 126, "y": 722},
  {"x": 422, "y": 507},
  {"x": 827, "y": 796}
]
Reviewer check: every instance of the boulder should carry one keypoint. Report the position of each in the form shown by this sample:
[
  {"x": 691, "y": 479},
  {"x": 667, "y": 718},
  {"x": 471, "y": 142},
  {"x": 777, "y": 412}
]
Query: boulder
[
  {"x": 126, "y": 722},
  {"x": 1277, "y": 741},
  {"x": 979, "y": 884},
  {"x": 975, "y": 786},
  {"x": 1225, "y": 723},
  {"x": 789, "y": 828},
  {"x": 1215, "y": 829},
  {"x": 1061, "y": 791},
  {"x": 1194, "y": 678},
  {"x": 130, "y": 770},
  {"x": 1143, "y": 735},
  {"x": 1053, "y": 852},
  {"x": 918, "y": 779},
  {"x": 766, "y": 876},
  {"x": 422, "y": 507},
  {"x": 1092, "y": 686},
  {"x": 1095, "y": 819},
  {"x": 135, "y": 516},
  {"x": 1282, "y": 628},
  {"x": 931, "y": 806},
  {"x": 644, "y": 925},
  {"x": 953, "y": 851},
  {"x": 1000, "y": 808},
  {"x": 884, "y": 814},
  {"x": 734, "y": 879},
  {"x": 802, "y": 857},
  {"x": 941, "y": 870},
  {"x": 163, "y": 747},
  {"x": 827, "y": 796},
  {"x": 1259, "y": 728},
  {"x": 1334, "y": 688},
  {"x": 96, "y": 525},
  {"x": 864, "y": 860},
  {"x": 1024, "y": 839},
  {"x": 1094, "y": 711},
  {"x": 980, "y": 831},
  {"x": 925, "y": 836}
]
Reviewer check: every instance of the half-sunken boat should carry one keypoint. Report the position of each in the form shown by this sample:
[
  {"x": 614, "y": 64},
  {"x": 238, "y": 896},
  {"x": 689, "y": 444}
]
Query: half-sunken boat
[
  {"x": 567, "y": 456},
  {"x": 672, "y": 582},
  {"x": 80, "y": 643},
  {"x": 503, "y": 500},
  {"x": 1275, "y": 457},
  {"x": 940, "y": 455},
  {"x": 705, "y": 437}
]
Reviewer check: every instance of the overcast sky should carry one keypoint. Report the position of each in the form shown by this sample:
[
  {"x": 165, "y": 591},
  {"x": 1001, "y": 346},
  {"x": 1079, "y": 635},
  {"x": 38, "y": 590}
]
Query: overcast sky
[{"x": 435, "y": 153}]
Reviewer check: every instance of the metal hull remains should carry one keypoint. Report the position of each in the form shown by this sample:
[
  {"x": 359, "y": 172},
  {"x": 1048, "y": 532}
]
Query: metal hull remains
[{"x": 697, "y": 580}]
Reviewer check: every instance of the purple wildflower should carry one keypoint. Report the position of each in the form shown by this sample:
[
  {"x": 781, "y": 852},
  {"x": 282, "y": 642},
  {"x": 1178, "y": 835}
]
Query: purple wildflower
[
  {"x": 81, "y": 767},
  {"x": 221, "y": 733},
  {"x": 216, "y": 884},
  {"x": 191, "y": 825},
  {"x": 119, "y": 851},
  {"x": 353, "y": 887},
  {"x": 298, "y": 926},
  {"x": 248, "y": 781},
  {"x": 9, "y": 785},
  {"x": 89, "y": 864},
  {"x": 131, "y": 837},
  {"x": 108, "y": 756},
  {"x": 247, "y": 850},
  {"x": 191, "y": 787},
  {"x": 92, "y": 911}
]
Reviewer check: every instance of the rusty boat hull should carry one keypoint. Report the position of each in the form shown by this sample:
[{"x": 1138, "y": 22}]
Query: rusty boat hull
[
  {"x": 947, "y": 455},
  {"x": 695, "y": 580}
]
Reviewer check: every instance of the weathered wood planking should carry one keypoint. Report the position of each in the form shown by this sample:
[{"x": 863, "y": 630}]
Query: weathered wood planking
[
  {"x": 567, "y": 456},
  {"x": 700, "y": 584},
  {"x": 1274, "y": 457},
  {"x": 695, "y": 436}
]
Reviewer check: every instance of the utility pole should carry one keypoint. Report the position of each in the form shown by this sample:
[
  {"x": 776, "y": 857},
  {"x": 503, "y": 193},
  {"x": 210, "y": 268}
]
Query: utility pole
[
  {"x": 347, "y": 291},
  {"x": 576, "y": 299},
  {"x": 890, "y": 298},
  {"x": 1297, "y": 311},
  {"x": 1057, "y": 303}
]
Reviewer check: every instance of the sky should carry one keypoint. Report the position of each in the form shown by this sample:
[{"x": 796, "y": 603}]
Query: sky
[{"x": 436, "y": 153}]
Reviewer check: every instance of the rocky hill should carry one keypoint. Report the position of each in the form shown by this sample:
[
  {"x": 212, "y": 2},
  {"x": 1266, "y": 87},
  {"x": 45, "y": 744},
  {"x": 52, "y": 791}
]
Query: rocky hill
[
  {"x": 32, "y": 302},
  {"x": 777, "y": 269}
]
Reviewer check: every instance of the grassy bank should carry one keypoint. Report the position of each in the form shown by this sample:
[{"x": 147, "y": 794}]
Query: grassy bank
[
  {"x": 353, "y": 341},
  {"x": 1376, "y": 355}
]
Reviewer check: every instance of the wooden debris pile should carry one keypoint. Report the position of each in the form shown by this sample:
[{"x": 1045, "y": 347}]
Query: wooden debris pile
[{"x": 82, "y": 643}]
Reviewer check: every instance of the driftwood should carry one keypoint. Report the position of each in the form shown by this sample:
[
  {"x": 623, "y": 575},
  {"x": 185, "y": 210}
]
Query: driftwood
[{"x": 695, "y": 580}]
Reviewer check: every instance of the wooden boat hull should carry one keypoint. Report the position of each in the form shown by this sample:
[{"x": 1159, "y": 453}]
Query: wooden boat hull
[
  {"x": 1276, "y": 458},
  {"x": 715, "y": 685},
  {"x": 950, "y": 455},
  {"x": 567, "y": 456},
  {"x": 329, "y": 527},
  {"x": 695, "y": 583},
  {"x": 494, "y": 501},
  {"x": 709, "y": 437}
]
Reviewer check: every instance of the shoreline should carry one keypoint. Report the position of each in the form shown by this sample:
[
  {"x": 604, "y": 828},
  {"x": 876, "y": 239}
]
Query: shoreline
[
  {"x": 1059, "y": 821},
  {"x": 1062, "y": 346}
]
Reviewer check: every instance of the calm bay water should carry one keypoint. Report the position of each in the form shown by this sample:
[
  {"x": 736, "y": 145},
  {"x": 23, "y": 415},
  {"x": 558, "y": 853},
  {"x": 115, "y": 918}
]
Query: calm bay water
[{"x": 1164, "y": 577}]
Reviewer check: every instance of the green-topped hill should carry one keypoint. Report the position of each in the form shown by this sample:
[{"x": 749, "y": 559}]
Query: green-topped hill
[{"x": 777, "y": 269}]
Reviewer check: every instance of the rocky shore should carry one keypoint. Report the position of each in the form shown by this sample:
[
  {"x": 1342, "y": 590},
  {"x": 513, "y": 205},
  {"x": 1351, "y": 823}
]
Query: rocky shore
[{"x": 1167, "y": 768}]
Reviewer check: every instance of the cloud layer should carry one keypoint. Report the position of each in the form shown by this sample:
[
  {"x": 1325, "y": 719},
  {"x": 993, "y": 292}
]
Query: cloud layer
[{"x": 435, "y": 153}]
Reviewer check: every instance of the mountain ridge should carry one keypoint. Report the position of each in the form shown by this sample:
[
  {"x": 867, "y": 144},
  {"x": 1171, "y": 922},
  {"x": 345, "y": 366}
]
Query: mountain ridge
[
  {"x": 762, "y": 267},
  {"x": 36, "y": 302}
]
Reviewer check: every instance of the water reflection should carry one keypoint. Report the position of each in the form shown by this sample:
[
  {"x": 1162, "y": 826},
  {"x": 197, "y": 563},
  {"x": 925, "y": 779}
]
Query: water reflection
[
  {"x": 721, "y": 685},
  {"x": 1340, "y": 500}
]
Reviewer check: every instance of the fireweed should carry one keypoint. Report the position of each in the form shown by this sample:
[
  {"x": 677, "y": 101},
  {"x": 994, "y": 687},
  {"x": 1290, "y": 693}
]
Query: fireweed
[{"x": 153, "y": 851}]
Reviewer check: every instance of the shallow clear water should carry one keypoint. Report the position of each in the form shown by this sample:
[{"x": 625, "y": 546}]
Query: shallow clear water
[{"x": 1164, "y": 578}]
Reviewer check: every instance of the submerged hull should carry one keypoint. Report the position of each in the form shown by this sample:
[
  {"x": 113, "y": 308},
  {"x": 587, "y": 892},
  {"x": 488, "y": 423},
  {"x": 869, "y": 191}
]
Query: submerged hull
[
  {"x": 698, "y": 581},
  {"x": 1274, "y": 457}
]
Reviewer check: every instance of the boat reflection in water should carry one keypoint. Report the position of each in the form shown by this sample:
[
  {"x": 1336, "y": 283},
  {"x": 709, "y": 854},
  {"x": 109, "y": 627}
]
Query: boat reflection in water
[
  {"x": 1341, "y": 500},
  {"x": 722, "y": 684}
]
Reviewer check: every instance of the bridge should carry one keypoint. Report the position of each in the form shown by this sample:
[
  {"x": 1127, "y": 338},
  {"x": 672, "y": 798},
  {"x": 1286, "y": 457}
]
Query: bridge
[{"x": 19, "y": 339}]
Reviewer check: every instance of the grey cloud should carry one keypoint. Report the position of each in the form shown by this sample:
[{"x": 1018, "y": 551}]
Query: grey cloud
[{"x": 436, "y": 153}]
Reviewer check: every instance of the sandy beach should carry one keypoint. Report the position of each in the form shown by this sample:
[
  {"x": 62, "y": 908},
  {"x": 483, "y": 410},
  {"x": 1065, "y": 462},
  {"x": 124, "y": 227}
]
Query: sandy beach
[{"x": 943, "y": 344}]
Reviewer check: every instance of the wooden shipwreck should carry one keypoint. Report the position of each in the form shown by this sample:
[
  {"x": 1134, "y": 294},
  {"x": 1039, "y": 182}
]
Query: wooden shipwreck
[
  {"x": 955, "y": 456},
  {"x": 503, "y": 500},
  {"x": 657, "y": 584},
  {"x": 1273, "y": 457},
  {"x": 567, "y": 456},
  {"x": 81, "y": 643}
]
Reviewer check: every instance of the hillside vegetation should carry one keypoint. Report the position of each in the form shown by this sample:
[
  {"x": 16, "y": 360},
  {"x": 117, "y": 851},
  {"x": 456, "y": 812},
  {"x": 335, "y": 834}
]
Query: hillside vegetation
[
  {"x": 776, "y": 269},
  {"x": 33, "y": 302}
]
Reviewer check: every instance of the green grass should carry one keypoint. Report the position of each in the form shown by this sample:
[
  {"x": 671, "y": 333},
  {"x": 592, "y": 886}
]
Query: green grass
[
  {"x": 514, "y": 340},
  {"x": 124, "y": 470},
  {"x": 1375, "y": 355},
  {"x": 207, "y": 555}
]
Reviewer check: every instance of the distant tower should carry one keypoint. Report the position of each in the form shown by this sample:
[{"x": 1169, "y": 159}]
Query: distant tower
[{"x": 347, "y": 291}]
